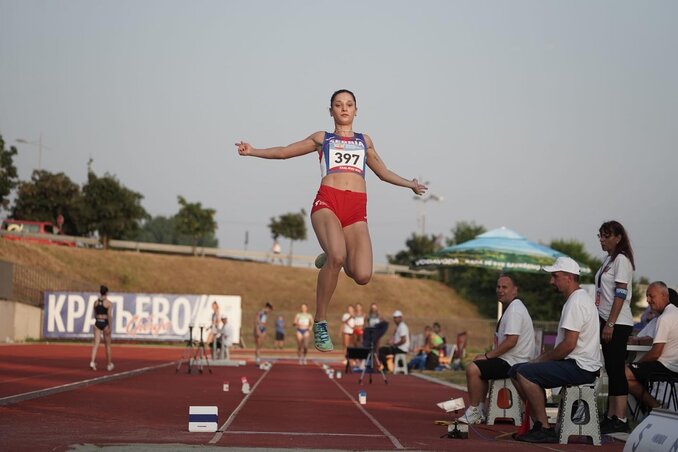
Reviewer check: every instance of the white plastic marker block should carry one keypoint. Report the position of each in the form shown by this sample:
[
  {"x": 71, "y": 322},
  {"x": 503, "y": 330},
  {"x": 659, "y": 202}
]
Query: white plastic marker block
[
  {"x": 452, "y": 405},
  {"x": 362, "y": 397},
  {"x": 203, "y": 419}
]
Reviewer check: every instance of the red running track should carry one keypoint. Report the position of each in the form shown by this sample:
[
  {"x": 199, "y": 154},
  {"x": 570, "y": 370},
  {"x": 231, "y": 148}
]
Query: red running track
[{"x": 290, "y": 406}]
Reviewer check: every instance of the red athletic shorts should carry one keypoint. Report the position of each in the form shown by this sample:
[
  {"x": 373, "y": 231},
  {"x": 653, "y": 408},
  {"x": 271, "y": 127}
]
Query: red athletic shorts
[{"x": 349, "y": 206}]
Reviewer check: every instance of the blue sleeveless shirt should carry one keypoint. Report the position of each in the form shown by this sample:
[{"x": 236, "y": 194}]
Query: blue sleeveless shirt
[{"x": 343, "y": 154}]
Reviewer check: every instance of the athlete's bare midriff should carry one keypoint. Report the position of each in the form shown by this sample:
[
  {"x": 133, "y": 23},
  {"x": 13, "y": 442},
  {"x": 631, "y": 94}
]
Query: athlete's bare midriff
[{"x": 345, "y": 181}]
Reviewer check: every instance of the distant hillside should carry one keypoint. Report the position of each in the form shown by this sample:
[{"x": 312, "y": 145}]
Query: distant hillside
[{"x": 422, "y": 301}]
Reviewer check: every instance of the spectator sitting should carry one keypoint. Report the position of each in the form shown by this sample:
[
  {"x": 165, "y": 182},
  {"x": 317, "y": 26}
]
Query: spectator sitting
[
  {"x": 662, "y": 358},
  {"x": 576, "y": 358},
  {"x": 400, "y": 341},
  {"x": 429, "y": 355},
  {"x": 646, "y": 335},
  {"x": 514, "y": 343},
  {"x": 443, "y": 344},
  {"x": 419, "y": 361}
]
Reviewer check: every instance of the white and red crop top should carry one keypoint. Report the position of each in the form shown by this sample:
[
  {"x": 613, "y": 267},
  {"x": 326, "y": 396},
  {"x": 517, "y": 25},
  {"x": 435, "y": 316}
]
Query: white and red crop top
[{"x": 343, "y": 154}]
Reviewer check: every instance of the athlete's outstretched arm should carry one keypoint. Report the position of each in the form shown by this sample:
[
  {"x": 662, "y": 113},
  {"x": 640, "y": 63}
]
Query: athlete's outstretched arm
[
  {"x": 302, "y": 147},
  {"x": 377, "y": 165}
]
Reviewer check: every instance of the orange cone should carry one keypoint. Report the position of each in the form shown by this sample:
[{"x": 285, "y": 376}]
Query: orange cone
[{"x": 525, "y": 426}]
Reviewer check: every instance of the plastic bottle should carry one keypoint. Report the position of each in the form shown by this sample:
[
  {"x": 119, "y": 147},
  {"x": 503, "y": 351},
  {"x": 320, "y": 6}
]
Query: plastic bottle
[
  {"x": 362, "y": 397},
  {"x": 245, "y": 385}
]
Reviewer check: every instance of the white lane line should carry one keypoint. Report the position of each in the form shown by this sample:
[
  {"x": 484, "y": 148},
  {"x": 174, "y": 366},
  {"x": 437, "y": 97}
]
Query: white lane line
[
  {"x": 230, "y": 419},
  {"x": 77, "y": 384},
  {"x": 48, "y": 374},
  {"x": 388, "y": 434},
  {"x": 362, "y": 435}
]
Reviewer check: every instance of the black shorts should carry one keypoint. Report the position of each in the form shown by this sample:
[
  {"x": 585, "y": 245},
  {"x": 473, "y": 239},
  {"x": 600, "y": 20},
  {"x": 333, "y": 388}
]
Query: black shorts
[
  {"x": 493, "y": 368},
  {"x": 101, "y": 324},
  {"x": 651, "y": 370},
  {"x": 279, "y": 336}
]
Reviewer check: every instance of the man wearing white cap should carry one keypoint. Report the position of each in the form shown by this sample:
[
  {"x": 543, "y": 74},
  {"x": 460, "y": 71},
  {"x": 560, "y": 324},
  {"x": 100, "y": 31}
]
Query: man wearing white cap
[
  {"x": 400, "y": 342},
  {"x": 576, "y": 358}
]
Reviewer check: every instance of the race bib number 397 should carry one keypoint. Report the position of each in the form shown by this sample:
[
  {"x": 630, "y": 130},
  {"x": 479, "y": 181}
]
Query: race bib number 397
[{"x": 346, "y": 156}]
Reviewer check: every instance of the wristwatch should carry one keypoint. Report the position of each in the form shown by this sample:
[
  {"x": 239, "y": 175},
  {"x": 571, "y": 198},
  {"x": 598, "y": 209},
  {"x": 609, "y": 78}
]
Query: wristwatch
[{"x": 610, "y": 325}]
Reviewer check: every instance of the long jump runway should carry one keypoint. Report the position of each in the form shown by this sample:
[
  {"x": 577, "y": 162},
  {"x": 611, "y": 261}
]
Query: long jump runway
[{"x": 144, "y": 404}]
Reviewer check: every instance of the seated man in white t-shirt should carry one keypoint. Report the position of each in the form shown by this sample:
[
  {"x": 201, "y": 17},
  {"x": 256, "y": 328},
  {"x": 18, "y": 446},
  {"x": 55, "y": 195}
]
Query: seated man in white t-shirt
[
  {"x": 514, "y": 343},
  {"x": 576, "y": 358},
  {"x": 646, "y": 335},
  {"x": 662, "y": 359},
  {"x": 400, "y": 341}
]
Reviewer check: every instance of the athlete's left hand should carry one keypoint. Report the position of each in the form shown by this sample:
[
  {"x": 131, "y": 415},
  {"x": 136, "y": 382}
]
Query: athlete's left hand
[{"x": 418, "y": 188}]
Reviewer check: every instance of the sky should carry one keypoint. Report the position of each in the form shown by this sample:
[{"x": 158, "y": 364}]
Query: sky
[{"x": 547, "y": 117}]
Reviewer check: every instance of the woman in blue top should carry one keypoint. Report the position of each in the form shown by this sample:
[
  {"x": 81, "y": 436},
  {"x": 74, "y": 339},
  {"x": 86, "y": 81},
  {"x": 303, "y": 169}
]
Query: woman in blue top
[{"x": 339, "y": 213}]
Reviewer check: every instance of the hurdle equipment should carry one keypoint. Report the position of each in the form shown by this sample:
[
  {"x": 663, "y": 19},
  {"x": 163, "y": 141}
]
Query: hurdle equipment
[
  {"x": 203, "y": 419},
  {"x": 504, "y": 402}
]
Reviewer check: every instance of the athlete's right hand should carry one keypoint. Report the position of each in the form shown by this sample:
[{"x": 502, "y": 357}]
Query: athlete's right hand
[{"x": 244, "y": 148}]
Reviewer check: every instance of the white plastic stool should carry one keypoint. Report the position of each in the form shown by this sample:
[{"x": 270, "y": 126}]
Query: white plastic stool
[
  {"x": 589, "y": 425},
  {"x": 400, "y": 364},
  {"x": 515, "y": 410}
]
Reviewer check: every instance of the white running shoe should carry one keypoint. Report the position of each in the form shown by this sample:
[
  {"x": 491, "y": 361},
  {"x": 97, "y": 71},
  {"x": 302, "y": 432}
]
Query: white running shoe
[
  {"x": 93, "y": 365},
  {"x": 473, "y": 415},
  {"x": 110, "y": 367}
]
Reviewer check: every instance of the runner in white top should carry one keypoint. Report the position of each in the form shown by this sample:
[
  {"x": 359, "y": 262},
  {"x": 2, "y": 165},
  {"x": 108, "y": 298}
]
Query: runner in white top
[
  {"x": 347, "y": 325},
  {"x": 302, "y": 322}
]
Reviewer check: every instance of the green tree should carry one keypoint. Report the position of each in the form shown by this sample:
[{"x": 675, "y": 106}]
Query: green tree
[
  {"x": 291, "y": 226},
  {"x": 575, "y": 249},
  {"x": 158, "y": 229},
  {"x": 194, "y": 221},
  {"x": 161, "y": 229},
  {"x": 417, "y": 246},
  {"x": 8, "y": 173},
  {"x": 46, "y": 196},
  {"x": 464, "y": 231},
  {"x": 111, "y": 209}
]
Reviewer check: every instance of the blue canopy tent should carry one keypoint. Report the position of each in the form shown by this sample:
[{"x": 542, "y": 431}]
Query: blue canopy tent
[{"x": 501, "y": 249}]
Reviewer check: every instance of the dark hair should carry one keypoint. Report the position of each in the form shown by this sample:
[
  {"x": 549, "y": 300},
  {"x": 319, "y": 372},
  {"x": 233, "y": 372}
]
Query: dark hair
[
  {"x": 336, "y": 93},
  {"x": 624, "y": 245},
  {"x": 269, "y": 306},
  {"x": 673, "y": 296},
  {"x": 103, "y": 290},
  {"x": 510, "y": 276}
]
